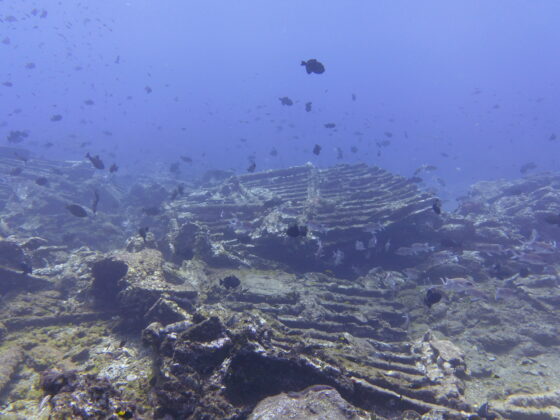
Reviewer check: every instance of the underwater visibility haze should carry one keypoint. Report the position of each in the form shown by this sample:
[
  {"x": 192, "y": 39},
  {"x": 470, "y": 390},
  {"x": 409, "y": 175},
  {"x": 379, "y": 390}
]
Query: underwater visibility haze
[{"x": 235, "y": 209}]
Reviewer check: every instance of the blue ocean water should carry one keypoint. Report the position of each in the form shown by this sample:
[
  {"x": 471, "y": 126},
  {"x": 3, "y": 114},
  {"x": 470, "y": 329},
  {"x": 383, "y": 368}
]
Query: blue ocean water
[{"x": 470, "y": 87}]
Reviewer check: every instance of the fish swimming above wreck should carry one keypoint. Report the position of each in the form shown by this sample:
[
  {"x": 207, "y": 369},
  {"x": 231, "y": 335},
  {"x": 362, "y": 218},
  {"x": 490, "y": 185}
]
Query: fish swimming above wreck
[{"x": 313, "y": 66}]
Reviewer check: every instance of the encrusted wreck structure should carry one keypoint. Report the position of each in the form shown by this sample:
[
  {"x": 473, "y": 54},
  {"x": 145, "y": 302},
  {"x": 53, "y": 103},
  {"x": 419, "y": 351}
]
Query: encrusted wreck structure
[{"x": 218, "y": 312}]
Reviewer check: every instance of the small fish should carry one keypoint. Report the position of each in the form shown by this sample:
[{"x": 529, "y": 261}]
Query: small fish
[
  {"x": 186, "y": 159},
  {"x": 308, "y": 106},
  {"x": 436, "y": 206},
  {"x": 330, "y": 125},
  {"x": 143, "y": 232},
  {"x": 286, "y": 101},
  {"x": 294, "y": 231},
  {"x": 273, "y": 152},
  {"x": 354, "y": 97},
  {"x": 42, "y": 181},
  {"x": 252, "y": 166},
  {"x": 230, "y": 282},
  {"x": 95, "y": 201},
  {"x": 527, "y": 167},
  {"x": 56, "y": 117},
  {"x": 433, "y": 296},
  {"x": 313, "y": 66},
  {"x": 317, "y": 149},
  {"x": 457, "y": 284},
  {"x": 96, "y": 161},
  {"x": 76, "y": 210},
  {"x": 89, "y": 102},
  {"x": 148, "y": 89},
  {"x": 338, "y": 257},
  {"x": 113, "y": 168},
  {"x": 553, "y": 219}
]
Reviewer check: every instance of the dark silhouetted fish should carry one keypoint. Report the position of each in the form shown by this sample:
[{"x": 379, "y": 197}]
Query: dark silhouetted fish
[
  {"x": 330, "y": 125},
  {"x": 76, "y": 210},
  {"x": 230, "y": 282},
  {"x": 553, "y": 219},
  {"x": 273, "y": 152},
  {"x": 308, "y": 106},
  {"x": 252, "y": 166},
  {"x": 148, "y": 89},
  {"x": 432, "y": 297},
  {"x": 56, "y": 117},
  {"x": 113, "y": 168},
  {"x": 354, "y": 97},
  {"x": 143, "y": 232},
  {"x": 527, "y": 167},
  {"x": 42, "y": 181},
  {"x": 436, "y": 206},
  {"x": 186, "y": 159},
  {"x": 313, "y": 66},
  {"x": 96, "y": 161},
  {"x": 17, "y": 136},
  {"x": 286, "y": 101},
  {"x": 294, "y": 231},
  {"x": 88, "y": 102},
  {"x": 317, "y": 149}
]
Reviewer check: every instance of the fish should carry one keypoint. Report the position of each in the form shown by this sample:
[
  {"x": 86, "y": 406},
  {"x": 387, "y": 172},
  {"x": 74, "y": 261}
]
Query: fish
[
  {"x": 339, "y": 153},
  {"x": 457, "y": 284},
  {"x": 17, "y": 136},
  {"x": 113, "y": 168},
  {"x": 286, "y": 101},
  {"x": 273, "y": 152},
  {"x": 354, "y": 97},
  {"x": 433, "y": 296},
  {"x": 313, "y": 66},
  {"x": 230, "y": 282},
  {"x": 354, "y": 149},
  {"x": 143, "y": 232},
  {"x": 95, "y": 201},
  {"x": 96, "y": 161},
  {"x": 8, "y": 84},
  {"x": 317, "y": 149},
  {"x": 174, "y": 168},
  {"x": 56, "y": 117},
  {"x": 436, "y": 206},
  {"x": 178, "y": 191},
  {"x": 338, "y": 257},
  {"x": 294, "y": 230},
  {"x": 553, "y": 219},
  {"x": 308, "y": 106},
  {"x": 30, "y": 66},
  {"x": 89, "y": 102},
  {"x": 425, "y": 168},
  {"x": 527, "y": 167},
  {"x": 552, "y": 137},
  {"x": 252, "y": 166},
  {"x": 151, "y": 211},
  {"x": 330, "y": 125},
  {"x": 148, "y": 89},
  {"x": 186, "y": 159},
  {"x": 42, "y": 181},
  {"x": 76, "y": 210}
]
